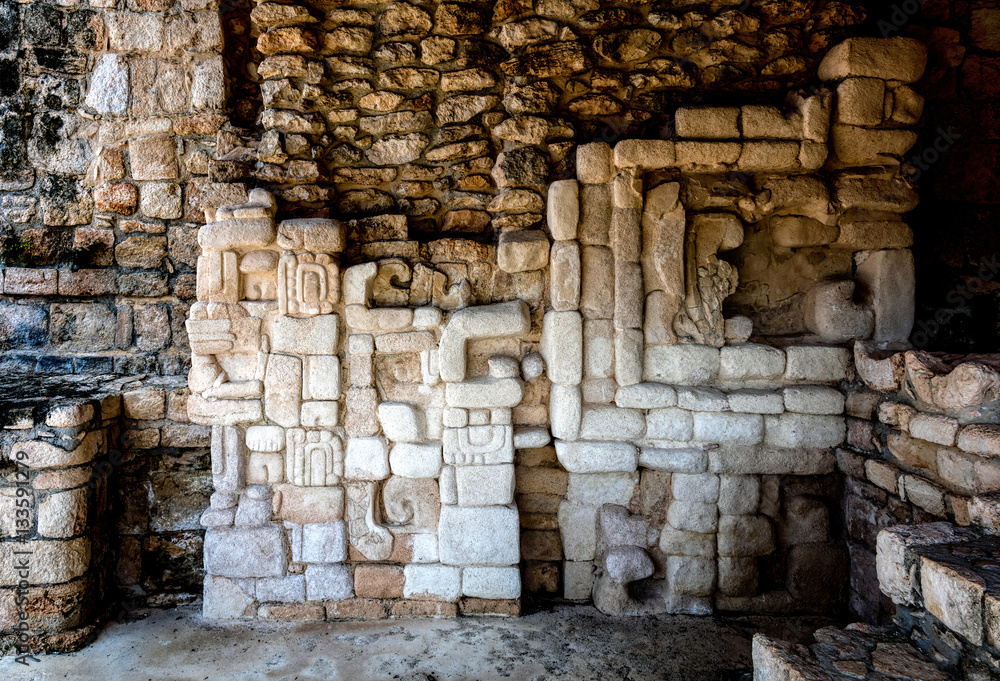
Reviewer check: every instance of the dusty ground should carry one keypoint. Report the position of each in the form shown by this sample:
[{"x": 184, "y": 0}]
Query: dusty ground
[{"x": 569, "y": 642}]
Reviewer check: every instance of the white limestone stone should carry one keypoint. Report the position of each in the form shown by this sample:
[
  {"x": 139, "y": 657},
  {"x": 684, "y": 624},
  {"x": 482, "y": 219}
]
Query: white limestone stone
[
  {"x": 702, "y": 399},
  {"x": 282, "y": 390},
  {"x": 502, "y": 366},
  {"x": 401, "y": 422},
  {"x": 329, "y": 582},
  {"x": 897, "y": 576},
  {"x": 531, "y": 437},
  {"x": 565, "y": 411},
  {"x": 612, "y": 423},
  {"x": 366, "y": 458},
  {"x": 427, "y": 318},
  {"x": 728, "y": 428},
  {"x": 578, "y": 579},
  {"x": 416, "y": 460},
  {"x": 645, "y": 154},
  {"x": 246, "y": 551},
  {"x": 628, "y": 356},
  {"x": 306, "y": 336},
  {"x": 597, "y": 282},
  {"x": 324, "y": 542},
  {"x": 598, "y": 347},
  {"x": 562, "y": 347},
  {"x": 674, "y": 542},
  {"x": 750, "y": 361},
  {"x": 692, "y": 516},
  {"x": 498, "y": 320},
  {"x": 691, "y": 575},
  {"x": 532, "y": 366},
  {"x": 563, "y": 209},
  {"x": 382, "y": 319},
  {"x": 454, "y": 417},
  {"x": 745, "y": 535},
  {"x": 804, "y": 430},
  {"x": 599, "y": 390},
  {"x": 479, "y": 535},
  {"x": 320, "y": 414},
  {"x": 359, "y": 282},
  {"x": 954, "y": 595},
  {"x": 739, "y": 494},
  {"x": 485, "y": 485},
  {"x": 756, "y": 402},
  {"x": 361, "y": 344},
  {"x": 681, "y": 364},
  {"x": 675, "y": 460},
  {"x": 432, "y": 582},
  {"x": 669, "y": 423},
  {"x": 565, "y": 275},
  {"x": 265, "y": 438},
  {"x": 320, "y": 377},
  {"x": 895, "y": 58},
  {"x": 578, "y": 530},
  {"x": 484, "y": 393},
  {"x": 425, "y": 548},
  {"x": 491, "y": 582},
  {"x": 813, "y": 399},
  {"x": 596, "y": 489},
  {"x": 597, "y": 457},
  {"x": 224, "y": 598},
  {"x": 69, "y": 415},
  {"x": 816, "y": 364},
  {"x": 646, "y": 396},
  {"x": 889, "y": 278},
  {"x": 479, "y": 417},
  {"x": 695, "y": 487}
]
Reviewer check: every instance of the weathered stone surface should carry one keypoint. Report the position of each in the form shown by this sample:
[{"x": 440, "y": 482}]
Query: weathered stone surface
[
  {"x": 487, "y": 535},
  {"x": 896, "y": 58}
]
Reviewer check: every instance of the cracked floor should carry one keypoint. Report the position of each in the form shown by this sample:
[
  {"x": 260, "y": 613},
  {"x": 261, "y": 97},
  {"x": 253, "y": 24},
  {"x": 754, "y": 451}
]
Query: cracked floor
[{"x": 564, "y": 642}]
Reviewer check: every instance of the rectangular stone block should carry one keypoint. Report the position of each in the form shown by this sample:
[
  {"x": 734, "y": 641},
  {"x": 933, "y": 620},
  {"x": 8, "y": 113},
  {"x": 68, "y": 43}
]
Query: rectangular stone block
[
  {"x": 432, "y": 582},
  {"x": 307, "y": 336},
  {"x": 479, "y": 535},
  {"x": 246, "y": 551},
  {"x": 597, "y": 299},
  {"x": 329, "y": 582},
  {"x": 681, "y": 364},
  {"x": 562, "y": 347},
  {"x": 804, "y": 430},
  {"x": 485, "y": 485},
  {"x": 491, "y": 582},
  {"x": 564, "y": 276},
  {"x": 728, "y": 428},
  {"x": 597, "y": 457}
]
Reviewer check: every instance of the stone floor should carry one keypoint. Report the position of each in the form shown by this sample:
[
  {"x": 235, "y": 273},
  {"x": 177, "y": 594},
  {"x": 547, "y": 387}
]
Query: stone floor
[{"x": 567, "y": 642}]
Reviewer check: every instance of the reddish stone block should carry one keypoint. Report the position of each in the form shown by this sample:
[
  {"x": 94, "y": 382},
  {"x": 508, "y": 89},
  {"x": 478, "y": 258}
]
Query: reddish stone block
[{"x": 378, "y": 581}]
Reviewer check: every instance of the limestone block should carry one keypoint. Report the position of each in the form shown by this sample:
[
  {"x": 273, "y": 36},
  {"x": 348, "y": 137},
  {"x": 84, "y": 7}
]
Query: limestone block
[
  {"x": 302, "y": 505},
  {"x": 756, "y": 402},
  {"x": 831, "y": 312},
  {"x": 416, "y": 460},
  {"x": 597, "y": 275},
  {"x": 898, "y": 576},
  {"x": 680, "y": 460},
  {"x": 593, "y": 163},
  {"x": 324, "y": 542},
  {"x": 359, "y": 282},
  {"x": 796, "y": 231},
  {"x": 612, "y": 423},
  {"x": 69, "y": 415},
  {"x": 565, "y": 411},
  {"x": 484, "y": 393},
  {"x": 523, "y": 251},
  {"x": 674, "y": 542},
  {"x": 479, "y": 535},
  {"x": 804, "y": 430},
  {"x": 61, "y": 514},
  {"x": 321, "y": 377},
  {"x": 681, "y": 364},
  {"x": 265, "y": 438},
  {"x": 771, "y": 460},
  {"x": 598, "y": 348},
  {"x": 564, "y": 277},
  {"x": 813, "y": 399},
  {"x": 707, "y": 156},
  {"x": 629, "y": 295},
  {"x": 578, "y": 530},
  {"x": 407, "y": 341},
  {"x": 857, "y": 146},
  {"x": 815, "y": 364},
  {"x": 562, "y": 347},
  {"x": 708, "y": 122},
  {"x": 491, "y": 582},
  {"x": 728, "y": 428},
  {"x": 598, "y": 390},
  {"x": 401, "y": 422},
  {"x": 872, "y": 235},
  {"x": 479, "y": 444},
  {"x": 361, "y": 409},
  {"x": 691, "y": 575},
  {"x": 980, "y": 439},
  {"x": 861, "y": 101},
  {"x": 750, "y": 361},
  {"x": 563, "y": 209},
  {"x": 693, "y": 516},
  {"x": 646, "y": 396},
  {"x": 40, "y": 454},
  {"x": 769, "y": 156},
  {"x": 360, "y": 318},
  {"x": 246, "y": 551},
  {"x": 896, "y": 58},
  {"x": 597, "y": 489},
  {"x": 435, "y": 582},
  {"x": 484, "y": 321},
  {"x": 769, "y": 122},
  {"x": 578, "y": 579},
  {"x": 224, "y": 598},
  {"x": 595, "y": 215},
  {"x": 283, "y": 390},
  {"x": 329, "y": 582},
  {"x": 954, "y": 594},
  {"x": 888, "y": 276},
  {"x": 288, "y": 589},
  {"x": 628, "y": 356},
  {"x": 597, "y": 457},
  {"x": 745, "y": 535},
  {"x": 923, "y": 493},
  {"x": 366, "y": 458},
  {"x": 695, "y": 487},
  {"x": 702, "y": 399},
  {"x": 485, "y": 485},
  {"x": 645, "y": 154},
  {"x": 739, "y": 494},
  {"x": 669, "y": 424},
  {"x": 531, "y": 437},
  {"x": 265, "y": 467}
]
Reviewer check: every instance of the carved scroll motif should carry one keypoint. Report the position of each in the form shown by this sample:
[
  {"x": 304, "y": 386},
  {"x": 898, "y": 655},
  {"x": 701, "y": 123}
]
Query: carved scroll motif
[{"x": 366, "y": 534}]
